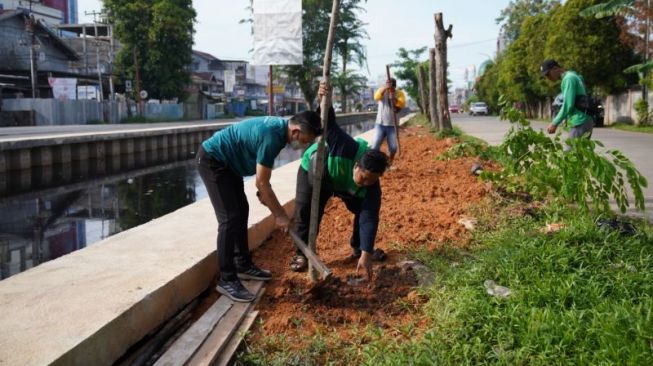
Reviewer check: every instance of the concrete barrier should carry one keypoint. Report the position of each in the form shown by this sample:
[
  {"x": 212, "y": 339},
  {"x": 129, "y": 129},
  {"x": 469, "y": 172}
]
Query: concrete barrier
[{"x": 90, "y": 306}]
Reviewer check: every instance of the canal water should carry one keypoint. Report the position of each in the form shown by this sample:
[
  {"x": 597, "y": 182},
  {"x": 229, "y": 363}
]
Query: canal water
[{"x": 45, "y": 214}]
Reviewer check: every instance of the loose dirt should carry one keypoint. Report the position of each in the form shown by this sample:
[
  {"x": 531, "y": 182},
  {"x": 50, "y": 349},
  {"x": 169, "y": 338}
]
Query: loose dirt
[{"x": 423, "y": 199}]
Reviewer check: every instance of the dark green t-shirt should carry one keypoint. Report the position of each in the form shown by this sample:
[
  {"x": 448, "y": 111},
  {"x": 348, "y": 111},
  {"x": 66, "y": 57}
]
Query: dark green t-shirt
[{"x": 253, "y": 141}]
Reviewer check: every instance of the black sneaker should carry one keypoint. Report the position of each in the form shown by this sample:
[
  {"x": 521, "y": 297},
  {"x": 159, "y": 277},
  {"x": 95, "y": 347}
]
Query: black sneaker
[
  {"x": 235, "y": 291},
  {"x": 254, "y": 273}
]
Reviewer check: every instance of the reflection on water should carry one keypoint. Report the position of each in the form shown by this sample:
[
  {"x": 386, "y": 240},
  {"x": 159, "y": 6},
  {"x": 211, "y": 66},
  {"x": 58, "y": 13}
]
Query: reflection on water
[{"x": 47, "y": 214}]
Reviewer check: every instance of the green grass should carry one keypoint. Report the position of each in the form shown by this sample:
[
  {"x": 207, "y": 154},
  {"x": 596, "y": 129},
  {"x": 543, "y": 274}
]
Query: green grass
[
  {"x": 580, "y": 297},
  {"x": 631, "y": 128}
]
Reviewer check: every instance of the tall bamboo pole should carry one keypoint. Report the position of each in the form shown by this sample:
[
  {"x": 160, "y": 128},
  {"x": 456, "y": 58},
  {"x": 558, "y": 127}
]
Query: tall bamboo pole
[{"x": 321, "y": 149}]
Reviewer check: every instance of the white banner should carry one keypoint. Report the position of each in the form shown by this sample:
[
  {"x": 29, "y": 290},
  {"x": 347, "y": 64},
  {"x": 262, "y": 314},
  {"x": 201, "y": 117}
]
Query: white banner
[
  {"x": 63, "y": 88},
  {"x": 229, "y": 80},
  {"x": 277, "y": 32}
]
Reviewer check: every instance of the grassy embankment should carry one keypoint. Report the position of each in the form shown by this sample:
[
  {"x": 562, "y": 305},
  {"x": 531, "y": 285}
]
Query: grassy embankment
[{"x": 581, "y": 296}]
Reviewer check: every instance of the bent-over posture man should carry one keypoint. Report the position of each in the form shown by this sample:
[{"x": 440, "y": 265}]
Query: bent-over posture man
[
  {"x": 243, "y": 149},
  {"x": 352, "y": 173}
]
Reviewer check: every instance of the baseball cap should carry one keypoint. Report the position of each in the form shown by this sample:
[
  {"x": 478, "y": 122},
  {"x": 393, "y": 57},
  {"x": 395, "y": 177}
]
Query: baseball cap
[{"x": 547, "y": 65}]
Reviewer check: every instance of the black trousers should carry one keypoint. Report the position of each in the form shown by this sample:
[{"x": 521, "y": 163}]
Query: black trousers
[
  {"x": 227, "y": 194},
  {"x": 303, "y": 198}
]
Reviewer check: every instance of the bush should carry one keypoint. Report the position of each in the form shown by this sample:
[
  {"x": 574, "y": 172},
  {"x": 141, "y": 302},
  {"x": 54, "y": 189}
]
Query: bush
[{"x": 643, "y": 114}]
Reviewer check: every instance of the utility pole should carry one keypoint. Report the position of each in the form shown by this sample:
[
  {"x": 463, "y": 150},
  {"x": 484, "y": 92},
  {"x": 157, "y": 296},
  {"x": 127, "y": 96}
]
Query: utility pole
[
  {"x": 30, "y": 23},
  {"x": 97, "y": 52},
  {"x": 647, "y": 37}
]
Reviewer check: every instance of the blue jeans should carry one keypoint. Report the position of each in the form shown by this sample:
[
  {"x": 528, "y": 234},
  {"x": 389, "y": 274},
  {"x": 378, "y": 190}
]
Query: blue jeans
[{"x": 383, "y": 132}]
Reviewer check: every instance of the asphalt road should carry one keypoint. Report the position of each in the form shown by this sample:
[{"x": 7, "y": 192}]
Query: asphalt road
[{"x": 638, "y": 147}]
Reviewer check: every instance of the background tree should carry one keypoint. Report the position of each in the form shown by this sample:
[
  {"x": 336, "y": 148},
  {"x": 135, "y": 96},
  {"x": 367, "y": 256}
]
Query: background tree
[
  {"x": 590, "y": 46},
  {"x": 159, "y": 34},
  {"x": 348, "y": 45},
  {"x": 406, "y": 70},
  {"x": 518, "y": 11},
  {"x": 348, "y": 83}
]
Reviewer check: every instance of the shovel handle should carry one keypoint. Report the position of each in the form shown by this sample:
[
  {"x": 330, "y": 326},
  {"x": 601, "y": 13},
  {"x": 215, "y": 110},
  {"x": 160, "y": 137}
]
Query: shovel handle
[{"x": 310, "y": 255}]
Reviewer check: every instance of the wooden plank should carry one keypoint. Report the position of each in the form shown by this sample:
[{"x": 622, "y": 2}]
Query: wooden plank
[
  {"x": 216, "y": 342},
  {"x": 189, "y": 342},
  {"x": 310, "y": 255},
  {"x": 235, "y": 341}
]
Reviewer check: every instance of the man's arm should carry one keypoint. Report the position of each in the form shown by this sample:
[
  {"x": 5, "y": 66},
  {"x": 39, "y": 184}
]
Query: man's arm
[
  {"x": 368, "y": 226},
  {"x": 568, "y": 101},
  {"x": 268, "y": 197},
  {"x": 378, "y": 94},
  {"x": 401, "y": 99}
]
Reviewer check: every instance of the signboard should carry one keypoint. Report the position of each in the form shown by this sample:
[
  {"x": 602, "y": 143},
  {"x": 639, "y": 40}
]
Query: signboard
[
  {"x": 277, "y": 32},
  {"x": 278, "y": 89},
  {"x": 128, "y": 86},
  {"x": 63, "y": 88},
  {"x": 90, "y": 92}
]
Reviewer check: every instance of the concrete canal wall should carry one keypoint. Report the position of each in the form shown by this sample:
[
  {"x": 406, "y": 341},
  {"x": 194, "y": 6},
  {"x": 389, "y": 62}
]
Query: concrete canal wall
[
  {"x": 89, "y": 307},
  {"x": 24, "y": 153}
]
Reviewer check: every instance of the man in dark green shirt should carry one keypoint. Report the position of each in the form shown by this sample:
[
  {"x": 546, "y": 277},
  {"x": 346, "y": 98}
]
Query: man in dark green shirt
[
  {"x": 352, "y": 174},
  {"x": 244, "y": 149},
  {"x": 573, "y": 90}
]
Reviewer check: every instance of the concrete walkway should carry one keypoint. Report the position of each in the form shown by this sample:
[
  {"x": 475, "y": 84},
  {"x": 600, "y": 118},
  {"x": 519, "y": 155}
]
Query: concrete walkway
[{"x": 638, "y": 147}]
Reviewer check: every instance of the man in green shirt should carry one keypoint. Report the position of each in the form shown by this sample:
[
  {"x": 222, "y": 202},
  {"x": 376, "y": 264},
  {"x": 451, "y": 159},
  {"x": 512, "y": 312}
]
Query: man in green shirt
[
  {"x": 574, "y": 96},
  {"x": 244, "y": 149},
  {"x": 352, "y": 174}
]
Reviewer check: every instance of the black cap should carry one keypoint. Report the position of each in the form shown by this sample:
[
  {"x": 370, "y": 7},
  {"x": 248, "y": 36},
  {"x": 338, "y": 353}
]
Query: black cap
[{"x": 547, "y": 65}]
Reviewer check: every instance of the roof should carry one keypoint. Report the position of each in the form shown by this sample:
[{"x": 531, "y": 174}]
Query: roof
[
  {"x": 205, "y": 55},
  {"x": 9, "y": 14}
]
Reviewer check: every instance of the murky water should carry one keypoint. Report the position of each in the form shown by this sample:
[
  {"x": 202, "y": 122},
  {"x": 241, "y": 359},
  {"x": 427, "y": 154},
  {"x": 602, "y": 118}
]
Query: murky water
[{"x": 45, "y": 214}]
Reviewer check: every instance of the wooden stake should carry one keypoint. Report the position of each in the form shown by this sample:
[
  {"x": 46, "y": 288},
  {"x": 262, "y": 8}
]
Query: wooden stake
[
  {"x": 441, "y": 36},
  {"x": 321, "y": 149}
]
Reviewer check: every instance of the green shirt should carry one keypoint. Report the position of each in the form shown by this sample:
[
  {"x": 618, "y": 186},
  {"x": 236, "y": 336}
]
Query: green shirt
[
  {"x": 572, "y": 85},
  {"x": 253, "y": 141},
  {"x": 340, "y": 169}
]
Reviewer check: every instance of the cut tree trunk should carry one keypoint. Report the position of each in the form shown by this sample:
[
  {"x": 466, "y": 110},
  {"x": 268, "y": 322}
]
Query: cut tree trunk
[
  {"x": 433, "y": 95},
  {"x": 421, "y": 83},
  {"x": 441, "y": 36}
]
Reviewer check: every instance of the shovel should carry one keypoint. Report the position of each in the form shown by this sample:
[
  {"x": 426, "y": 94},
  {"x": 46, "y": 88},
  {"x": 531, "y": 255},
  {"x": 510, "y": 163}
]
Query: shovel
[{"x": 311, "y": 256}]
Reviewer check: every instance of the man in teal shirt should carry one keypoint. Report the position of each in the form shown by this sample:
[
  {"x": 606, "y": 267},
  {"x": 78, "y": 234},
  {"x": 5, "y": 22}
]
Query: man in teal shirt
[
  {"x": 243, "y": 149},
  {"x": 574, "y": 95}
]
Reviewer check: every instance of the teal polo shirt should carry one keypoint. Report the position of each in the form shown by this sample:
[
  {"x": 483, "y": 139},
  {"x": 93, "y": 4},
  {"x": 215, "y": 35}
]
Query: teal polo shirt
[{"x": 253, "y": 141}]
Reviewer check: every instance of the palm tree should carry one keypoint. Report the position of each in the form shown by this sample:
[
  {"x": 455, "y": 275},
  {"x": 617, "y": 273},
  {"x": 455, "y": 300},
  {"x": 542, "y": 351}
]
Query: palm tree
[
  {"x": 350, "y": 34},
  {"x": 349, "y": 83}
]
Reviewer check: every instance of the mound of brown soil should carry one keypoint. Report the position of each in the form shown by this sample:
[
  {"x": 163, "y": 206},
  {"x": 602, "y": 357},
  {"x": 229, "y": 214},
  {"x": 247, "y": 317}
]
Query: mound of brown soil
[{"x": 423, "y": 199}]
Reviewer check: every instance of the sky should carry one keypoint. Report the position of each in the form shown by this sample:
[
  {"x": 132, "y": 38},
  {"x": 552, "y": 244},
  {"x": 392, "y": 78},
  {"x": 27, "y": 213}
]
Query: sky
[{"x": 391, "y": 24}]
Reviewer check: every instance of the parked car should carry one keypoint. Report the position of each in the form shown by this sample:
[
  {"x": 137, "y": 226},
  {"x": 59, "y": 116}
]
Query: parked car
[
  {"x": 478, "y": 108},
  {"x": 454, "y": 109},
  {"x": 371, "y": 107}
]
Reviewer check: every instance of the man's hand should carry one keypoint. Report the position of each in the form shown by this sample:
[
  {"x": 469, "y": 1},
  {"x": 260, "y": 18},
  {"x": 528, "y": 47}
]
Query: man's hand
[
  {"x": 282, "y": 222},
  {"x": 365, "y": 261},
  {"x": 323, "y": 89},
  {"x": 551, "y": 128}
]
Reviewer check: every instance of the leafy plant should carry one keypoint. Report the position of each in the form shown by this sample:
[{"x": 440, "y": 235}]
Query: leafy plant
[
  {"x": 643, "y": 114},
  {"x": 462, "y": 149},
  {"x": 537, "y": 164}
]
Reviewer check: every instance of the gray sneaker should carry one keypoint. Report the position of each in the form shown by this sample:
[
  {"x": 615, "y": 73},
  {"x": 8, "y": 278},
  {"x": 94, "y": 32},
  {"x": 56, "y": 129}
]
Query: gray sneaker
[
  {"x": 235, "y": 291},
  {"x": 254, "y": 273}
]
